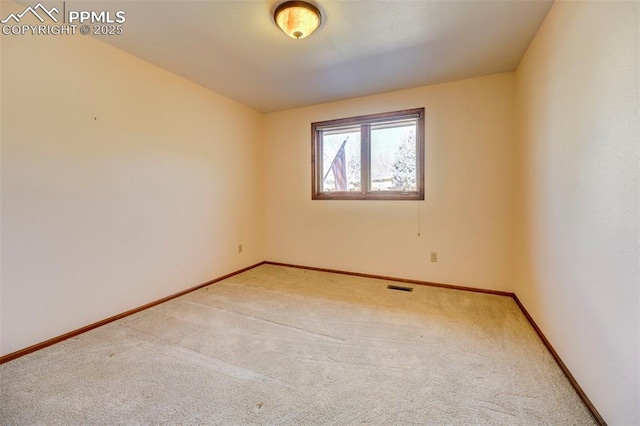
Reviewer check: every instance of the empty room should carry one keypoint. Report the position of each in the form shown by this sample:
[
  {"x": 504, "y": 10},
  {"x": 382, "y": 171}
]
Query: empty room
[{"x": 320, "y": 212}]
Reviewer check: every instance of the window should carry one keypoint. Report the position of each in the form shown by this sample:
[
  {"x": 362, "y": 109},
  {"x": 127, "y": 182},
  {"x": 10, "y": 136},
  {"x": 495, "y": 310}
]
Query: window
[{"x": 373, "y": 157}]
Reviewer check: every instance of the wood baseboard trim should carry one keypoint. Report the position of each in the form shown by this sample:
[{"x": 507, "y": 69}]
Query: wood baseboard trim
[
  {"x": 396, "y": 279},
  {"x": 585, "y": 399},
  {"x": 592, "y": 409},
  {"x": 58, "y": 339}
]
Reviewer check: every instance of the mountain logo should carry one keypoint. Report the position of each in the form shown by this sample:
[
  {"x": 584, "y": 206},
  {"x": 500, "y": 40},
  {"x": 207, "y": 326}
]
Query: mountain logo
[{"x": 34, "y": 11}]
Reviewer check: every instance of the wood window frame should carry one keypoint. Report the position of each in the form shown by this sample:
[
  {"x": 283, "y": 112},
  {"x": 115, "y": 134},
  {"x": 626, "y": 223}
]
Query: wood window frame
[{"x": 365, "y": 122}]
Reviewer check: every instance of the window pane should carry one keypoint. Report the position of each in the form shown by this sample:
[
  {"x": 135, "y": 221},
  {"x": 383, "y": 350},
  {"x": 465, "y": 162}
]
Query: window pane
[
  {"x": 341, "y": 160},
  {"x": 393, "y": 156}
]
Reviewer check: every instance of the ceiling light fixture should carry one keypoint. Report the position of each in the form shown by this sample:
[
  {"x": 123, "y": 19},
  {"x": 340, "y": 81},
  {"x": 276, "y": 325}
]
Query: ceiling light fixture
[{"x": 298, "y": 19}]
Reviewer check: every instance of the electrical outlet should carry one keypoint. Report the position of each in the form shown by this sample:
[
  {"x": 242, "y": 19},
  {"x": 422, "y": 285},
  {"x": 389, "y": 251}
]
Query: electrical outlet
[
  {"x": 434, "y": 256},
  {"x": 239, "y": 248}
]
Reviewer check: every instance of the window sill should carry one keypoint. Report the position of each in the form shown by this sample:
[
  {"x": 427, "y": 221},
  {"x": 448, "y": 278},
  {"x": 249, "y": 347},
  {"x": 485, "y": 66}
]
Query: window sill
[{"x": 375, "y": 195}]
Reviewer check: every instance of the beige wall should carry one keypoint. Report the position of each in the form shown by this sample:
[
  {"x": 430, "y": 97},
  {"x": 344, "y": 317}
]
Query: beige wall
[
  {"x": 579, "y": 277},
  {"x": 154, "y": 194},
  {"x": 467, "y": 216},
  {"x": 103, "y": 215}
]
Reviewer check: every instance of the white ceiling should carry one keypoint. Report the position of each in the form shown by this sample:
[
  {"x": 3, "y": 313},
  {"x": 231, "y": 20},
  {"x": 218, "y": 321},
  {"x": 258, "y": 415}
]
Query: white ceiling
[{"x": 363, "y": 47}]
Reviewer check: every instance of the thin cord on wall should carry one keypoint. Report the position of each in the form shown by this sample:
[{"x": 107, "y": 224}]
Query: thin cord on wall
[{"x": 418, "y": 218}]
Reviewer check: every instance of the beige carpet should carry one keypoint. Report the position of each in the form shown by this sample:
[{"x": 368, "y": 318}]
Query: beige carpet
[{"x": 284, "y": 346}]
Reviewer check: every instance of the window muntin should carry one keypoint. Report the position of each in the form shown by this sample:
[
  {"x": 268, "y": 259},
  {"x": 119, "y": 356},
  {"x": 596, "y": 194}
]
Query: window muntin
[{"x": 378, "y": 156}]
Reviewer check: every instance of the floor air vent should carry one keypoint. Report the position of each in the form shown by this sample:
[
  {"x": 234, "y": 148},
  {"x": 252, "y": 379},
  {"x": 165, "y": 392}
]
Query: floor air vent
[{"x": 399, "y": 287}]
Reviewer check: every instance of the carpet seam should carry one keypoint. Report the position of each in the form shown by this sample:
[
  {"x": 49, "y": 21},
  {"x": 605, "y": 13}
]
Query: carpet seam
[
  {"x": 73, "y": 333},
  {"x": 565, "y": 370},
  {"x": 574, "y": 383}
]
